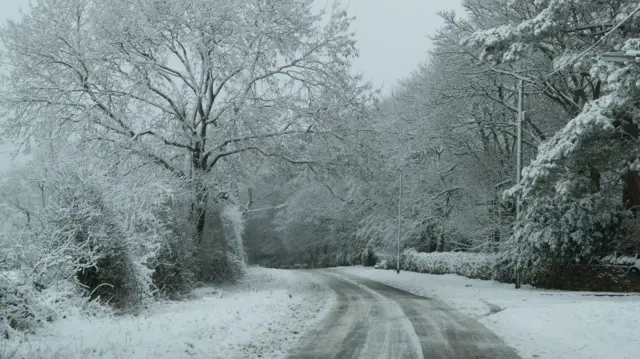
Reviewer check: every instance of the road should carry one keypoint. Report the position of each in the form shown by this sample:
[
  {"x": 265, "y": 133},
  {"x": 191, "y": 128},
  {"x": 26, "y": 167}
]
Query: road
[{"x": 373, "y": 320}]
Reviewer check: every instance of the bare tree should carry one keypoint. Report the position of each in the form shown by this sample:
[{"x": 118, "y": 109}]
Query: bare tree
[{"x": 183, "y": 84}]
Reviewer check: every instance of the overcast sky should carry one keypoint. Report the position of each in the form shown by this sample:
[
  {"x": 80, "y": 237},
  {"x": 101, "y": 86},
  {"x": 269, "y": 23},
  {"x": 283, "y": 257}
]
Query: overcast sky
[{"x": 391, "y": 34}]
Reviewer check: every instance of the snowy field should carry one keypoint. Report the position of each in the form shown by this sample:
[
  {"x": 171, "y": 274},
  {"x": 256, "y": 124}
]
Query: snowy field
[
  {"x": 261, "y": 317},
  {"x": 540, "y": 324}
]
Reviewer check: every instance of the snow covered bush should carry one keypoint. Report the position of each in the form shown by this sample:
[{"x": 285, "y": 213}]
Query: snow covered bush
[
  {"x": 555, "y": 232},
  {"x": 26, "y": 304},
  {"x": 471, "y": 265},
  {"x": 219, "y": 255},
  {"x": 172, "y": 271},
  {"x": 19, "y": 308},
  {"x": 233, "y": 230},
  {"x": 87, "y": 241},
  {"x": 83, "y": 226},
  {"x": 172, "y": 275}
]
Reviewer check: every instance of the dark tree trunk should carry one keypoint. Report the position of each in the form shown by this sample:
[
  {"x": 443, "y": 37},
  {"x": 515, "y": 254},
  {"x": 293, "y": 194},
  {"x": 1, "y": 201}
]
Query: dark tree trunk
[
  {"x": 200, "y": 211},
  {"x": 631, "y": 179},
  {"x": 631, "y": 191},
  {"x": 199, "y": 207}
]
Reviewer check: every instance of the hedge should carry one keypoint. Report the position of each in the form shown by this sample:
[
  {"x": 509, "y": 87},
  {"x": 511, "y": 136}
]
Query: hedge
[{"x": 471, "y": 265}]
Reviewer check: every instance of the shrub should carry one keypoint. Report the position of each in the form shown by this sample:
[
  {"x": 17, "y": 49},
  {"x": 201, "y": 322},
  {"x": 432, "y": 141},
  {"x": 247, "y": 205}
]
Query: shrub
[
  {"x": 172, "y": 271},
  {"x": 171, "y": 276},
  {"x": 471, "y": 265},
  {"x": 20, "y": 308},
  {"x": 88, "y": 242},
  {"x": 25, "y": 304},
  {"x": 114, "y": 278},
  {"x": 220, "y": 254}
]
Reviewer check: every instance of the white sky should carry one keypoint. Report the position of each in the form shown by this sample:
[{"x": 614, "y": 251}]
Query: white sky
[{"x": 391, "y": 34}]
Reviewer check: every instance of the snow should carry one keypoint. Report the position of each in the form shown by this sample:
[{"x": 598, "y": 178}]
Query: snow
[
  {"x": 621, "y": 260},
  {"x": 472, "y": 265},
  {"x": 13, "y": 275},
  {"x": 401, "y": 325},
  {"x": 261, "y": 317},
  {"x": 541, "y": 324}
]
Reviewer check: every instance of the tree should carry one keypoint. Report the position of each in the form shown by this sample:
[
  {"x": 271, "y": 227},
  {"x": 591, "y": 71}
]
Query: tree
[
  {"x": 570, "y": 214},
  {"x": 184, "y": 84}
]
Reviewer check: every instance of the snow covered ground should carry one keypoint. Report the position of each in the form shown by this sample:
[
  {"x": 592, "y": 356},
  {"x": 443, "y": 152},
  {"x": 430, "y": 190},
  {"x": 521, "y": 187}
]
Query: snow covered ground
[
  {"x": 261, "y": 317},
  {"x": 540, "y": 324}
]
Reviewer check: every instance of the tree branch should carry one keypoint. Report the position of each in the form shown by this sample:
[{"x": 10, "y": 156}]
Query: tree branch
[{"x": 259, "y": 150}]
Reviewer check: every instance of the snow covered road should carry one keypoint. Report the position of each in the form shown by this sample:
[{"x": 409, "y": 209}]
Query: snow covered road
[
  {"x": 538, "y": 323},
  {"x": 373, "y": 320}
]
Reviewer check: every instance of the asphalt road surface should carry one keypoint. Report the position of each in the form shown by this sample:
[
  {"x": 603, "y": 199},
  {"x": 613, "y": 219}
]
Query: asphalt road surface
[{"x": 375, "y": 321}]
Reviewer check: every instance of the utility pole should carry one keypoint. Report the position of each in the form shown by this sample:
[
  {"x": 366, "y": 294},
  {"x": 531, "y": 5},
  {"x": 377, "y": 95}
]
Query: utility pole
[
  {"x": 519, "y": 144},
  {"x": 519, "y": 163},
  {"x": 399, "y": 225}
]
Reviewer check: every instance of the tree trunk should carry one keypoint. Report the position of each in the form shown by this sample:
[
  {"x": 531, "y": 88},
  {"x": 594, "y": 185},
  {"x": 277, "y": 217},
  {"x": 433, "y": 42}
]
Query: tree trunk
[
  {"x": 631, "y": 191},
  {"x": 631, "y": 179},
  {"x": 440, "y": 246},
  {"x": 199, "y": 207},
  {"x": 200, "y": 211}
]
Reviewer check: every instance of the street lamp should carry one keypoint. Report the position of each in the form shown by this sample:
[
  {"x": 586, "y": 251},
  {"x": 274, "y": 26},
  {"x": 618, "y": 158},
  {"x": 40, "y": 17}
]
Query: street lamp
[
  {"x": 399, "y": 224},
  {"x": 519, "y": 163}
]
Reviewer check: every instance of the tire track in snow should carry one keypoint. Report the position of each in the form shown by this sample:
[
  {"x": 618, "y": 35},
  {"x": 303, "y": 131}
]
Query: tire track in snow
[
  {"x": 364, "y": 324},
  {"x": 343, "y": 332},
  {"x": 443, "y": 332}
]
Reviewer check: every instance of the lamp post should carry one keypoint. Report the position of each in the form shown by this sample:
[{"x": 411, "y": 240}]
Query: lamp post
[
  {"x": 399, "y": 224},
  {"x": 519, "y": 142},
  {"x": 519, "y": 163}
]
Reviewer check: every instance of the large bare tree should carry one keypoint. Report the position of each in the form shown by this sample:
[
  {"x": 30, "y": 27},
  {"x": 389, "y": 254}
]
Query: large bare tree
[{"x": 183, "y": 84}]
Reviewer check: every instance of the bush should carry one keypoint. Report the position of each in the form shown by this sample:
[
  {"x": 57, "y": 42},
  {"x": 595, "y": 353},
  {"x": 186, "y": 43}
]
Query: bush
[
  {"x": 171, "y": 277},
  {"x": 368, "y": 258},
  {"x": 114, "y": 279},
  {"x": 471, "y": 265},
  {"x": 220, "y": 254},
  {"x": 84, "y": 237},
  {"x": 173, "y": 274},
  {"x": 20, "y": 308},
  {"x": 25, "y": 304}
]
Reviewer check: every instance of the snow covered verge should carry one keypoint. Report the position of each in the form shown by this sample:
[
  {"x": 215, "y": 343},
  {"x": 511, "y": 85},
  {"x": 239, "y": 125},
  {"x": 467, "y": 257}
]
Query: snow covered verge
[
  {"x": 260, "y": 317},
  {"x": 541, "y": 324}
]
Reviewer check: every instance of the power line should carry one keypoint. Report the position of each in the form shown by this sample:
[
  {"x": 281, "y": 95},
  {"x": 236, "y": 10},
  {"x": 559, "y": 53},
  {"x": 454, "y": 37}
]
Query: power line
[{"x": 595, "y": 43}]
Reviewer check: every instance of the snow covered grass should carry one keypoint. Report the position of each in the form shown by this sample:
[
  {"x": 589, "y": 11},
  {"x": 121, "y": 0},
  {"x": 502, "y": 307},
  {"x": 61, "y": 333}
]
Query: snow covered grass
[
  {"x": 471, "y": 265},
  {"x": 260, "y": 317},
  {"x": 541, "y": 324},
  {"x": 24, "y": 307}
]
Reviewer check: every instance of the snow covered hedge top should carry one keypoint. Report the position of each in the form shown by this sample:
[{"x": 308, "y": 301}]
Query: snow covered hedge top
[{"x": 471, "y": 265}]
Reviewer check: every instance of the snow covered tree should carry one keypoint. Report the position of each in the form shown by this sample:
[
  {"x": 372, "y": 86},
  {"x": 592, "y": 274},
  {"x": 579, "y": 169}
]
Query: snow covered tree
[
  {"x": 185, "y": 85},
  {"x": 318, "y": 222},
  {"x": 571, "y": 210}
]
